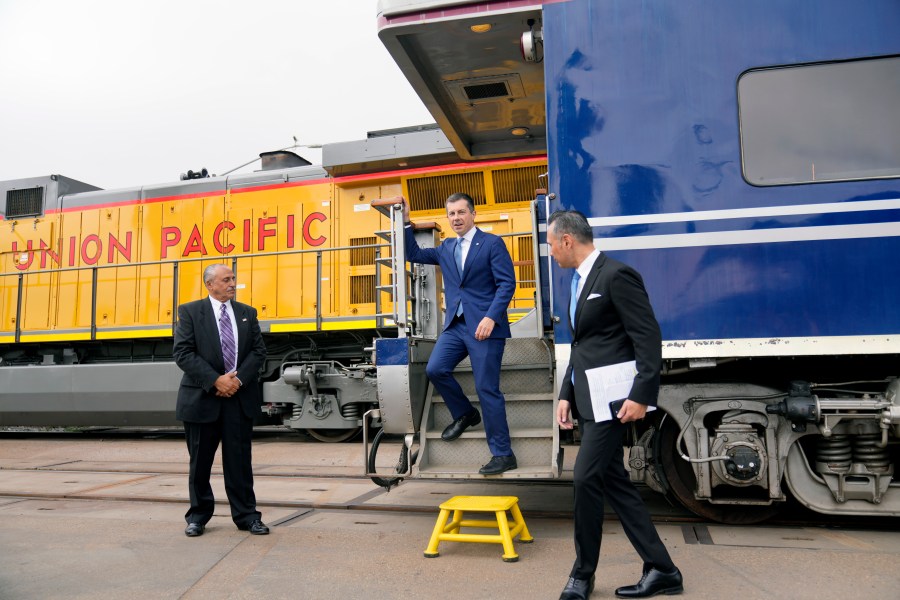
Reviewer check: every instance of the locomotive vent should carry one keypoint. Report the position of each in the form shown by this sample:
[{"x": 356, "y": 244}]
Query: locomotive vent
[
  {"x": 362, "y": 257},
  {"x": 27, "y": 202},
  {"x": 509, "y": 185},
  {"x": 430, "y": 193},
  {"x": 518, "y": 184},
  {"x": 362, "y": 287},
  {"x": 475, "y": 90}
]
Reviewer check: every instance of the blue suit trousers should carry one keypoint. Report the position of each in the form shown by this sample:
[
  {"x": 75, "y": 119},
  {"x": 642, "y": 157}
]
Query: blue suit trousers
[{"x": 453, "y": 345}]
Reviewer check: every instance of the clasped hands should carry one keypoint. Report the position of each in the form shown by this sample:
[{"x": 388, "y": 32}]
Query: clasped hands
[{"x": 227, "y": 385}]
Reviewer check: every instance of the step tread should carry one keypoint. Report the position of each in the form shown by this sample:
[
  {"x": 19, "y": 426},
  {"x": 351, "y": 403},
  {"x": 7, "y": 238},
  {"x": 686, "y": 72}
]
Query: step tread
[
  {"x": 522, "y": 432},
  {"x": 510, "y": 397},
  {"x": 465, "y": 367},
  {"x": 471, "y": 471}
]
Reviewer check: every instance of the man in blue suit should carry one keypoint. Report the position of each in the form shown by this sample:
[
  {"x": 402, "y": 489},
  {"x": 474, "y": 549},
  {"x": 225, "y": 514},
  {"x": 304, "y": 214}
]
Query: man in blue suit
[{"x": 479, "y": 282}]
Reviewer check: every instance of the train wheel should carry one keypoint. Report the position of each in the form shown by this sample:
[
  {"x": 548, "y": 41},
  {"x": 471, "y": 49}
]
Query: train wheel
[
  {"x": 334, "y": 436},
  {"x": 682, "y": 482},
  {"x": 401, "y": 467}
]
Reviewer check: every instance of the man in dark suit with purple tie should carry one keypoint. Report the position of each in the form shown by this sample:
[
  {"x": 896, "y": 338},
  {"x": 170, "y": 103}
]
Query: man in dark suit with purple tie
[
  {"x": 219, "y": 346},
  {"x": 612, "y": 323},
  {"x": 479, "y": 282}
]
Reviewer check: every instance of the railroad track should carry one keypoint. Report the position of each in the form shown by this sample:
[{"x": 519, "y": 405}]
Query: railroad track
[{"x": 149, "y": 465}]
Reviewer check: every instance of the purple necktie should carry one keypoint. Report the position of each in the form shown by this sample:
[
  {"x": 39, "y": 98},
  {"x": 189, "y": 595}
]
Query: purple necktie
[{"x": 227, "y": 336}]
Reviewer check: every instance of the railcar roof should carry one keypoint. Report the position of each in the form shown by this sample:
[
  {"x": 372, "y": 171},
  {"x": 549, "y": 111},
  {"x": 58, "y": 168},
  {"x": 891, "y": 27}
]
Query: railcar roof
[
  {"x": 382, "y": 151},
  {"x": 473, "y": 78}
]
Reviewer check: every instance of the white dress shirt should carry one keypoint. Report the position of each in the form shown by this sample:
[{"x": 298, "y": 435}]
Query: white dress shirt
[
  {"x": 466, "y": 244},
  {"x": 584, "y": 269}
]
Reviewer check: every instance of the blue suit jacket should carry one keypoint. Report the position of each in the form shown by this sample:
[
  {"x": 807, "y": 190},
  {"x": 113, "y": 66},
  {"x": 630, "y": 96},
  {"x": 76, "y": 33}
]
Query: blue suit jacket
[{"x": 487, "y": 283}]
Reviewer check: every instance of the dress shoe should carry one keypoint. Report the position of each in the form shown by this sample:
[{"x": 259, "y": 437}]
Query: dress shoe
[
  {"x": 652, "y": 583},
  {"x": 455, "y": 429},
  {"x": 256, "y": 527},
  {"x": 193, "y": 530},
  {"x": 499, "y": 464},
  {"x": 577, "y": 589}
]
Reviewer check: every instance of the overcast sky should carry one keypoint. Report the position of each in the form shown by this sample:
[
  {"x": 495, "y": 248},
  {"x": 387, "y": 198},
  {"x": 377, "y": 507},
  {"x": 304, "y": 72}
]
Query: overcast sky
[{"x": 130, "y": 92}]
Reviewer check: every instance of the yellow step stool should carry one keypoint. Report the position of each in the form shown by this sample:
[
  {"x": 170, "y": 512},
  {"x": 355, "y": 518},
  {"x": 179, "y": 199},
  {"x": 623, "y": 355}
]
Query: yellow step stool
[{"x": 445, "y": 531}]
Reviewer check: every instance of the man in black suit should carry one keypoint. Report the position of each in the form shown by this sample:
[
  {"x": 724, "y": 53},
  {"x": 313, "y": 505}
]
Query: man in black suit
[
  {"x": 612, "y": 323},
  {"x": 219, "y": 346}
]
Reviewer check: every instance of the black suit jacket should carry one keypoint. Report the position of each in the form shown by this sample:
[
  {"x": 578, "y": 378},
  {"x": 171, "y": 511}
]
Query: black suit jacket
[
  {"x": 198, "y": 352},
  {"x": 614, "y": 323}
]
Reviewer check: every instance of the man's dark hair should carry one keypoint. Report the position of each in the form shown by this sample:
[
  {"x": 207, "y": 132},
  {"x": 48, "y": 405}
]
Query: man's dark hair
[
  {"x": 572, "y": 222},
  {"x": 461, "y": 196}
]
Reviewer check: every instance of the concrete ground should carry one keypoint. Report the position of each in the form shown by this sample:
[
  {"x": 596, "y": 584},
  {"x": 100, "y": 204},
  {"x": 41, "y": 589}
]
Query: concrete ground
[{"x": 104, "y": 519}]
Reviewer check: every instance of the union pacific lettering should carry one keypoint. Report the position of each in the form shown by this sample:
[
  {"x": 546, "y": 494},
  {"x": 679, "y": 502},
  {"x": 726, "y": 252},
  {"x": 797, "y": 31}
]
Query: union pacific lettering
[{"x": 174, "y": 243}]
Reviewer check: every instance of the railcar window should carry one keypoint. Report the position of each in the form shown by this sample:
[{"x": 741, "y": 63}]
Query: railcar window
[{"x": 824, "y": 122}]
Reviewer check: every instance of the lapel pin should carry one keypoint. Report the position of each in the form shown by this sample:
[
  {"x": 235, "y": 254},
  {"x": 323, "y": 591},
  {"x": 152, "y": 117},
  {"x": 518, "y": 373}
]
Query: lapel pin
[{"x": 243, "y": 319}]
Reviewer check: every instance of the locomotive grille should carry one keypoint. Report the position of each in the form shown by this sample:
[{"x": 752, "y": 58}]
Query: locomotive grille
[
  {"x": 518, "y": 184},
  {"x": 362, "y": 289},
  {"x": 24, "y": 203},
  {"x": 525, "y": 251},
  {"x": 360, "y": 257},
  {"x": 430, "y": 193},
  {"x": 496, "y": 89}
]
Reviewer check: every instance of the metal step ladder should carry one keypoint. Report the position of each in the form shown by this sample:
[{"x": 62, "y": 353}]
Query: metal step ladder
[
  {"x": 526, "y": 380},
  {"x": 412, "y": 289},
  {"x": 397, "y": 286}
]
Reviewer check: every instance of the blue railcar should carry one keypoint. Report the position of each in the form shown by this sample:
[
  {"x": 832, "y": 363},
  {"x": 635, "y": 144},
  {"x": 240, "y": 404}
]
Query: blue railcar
[
  {"x": 745, "y": 158},
  {"x": 671, "y": 126}
]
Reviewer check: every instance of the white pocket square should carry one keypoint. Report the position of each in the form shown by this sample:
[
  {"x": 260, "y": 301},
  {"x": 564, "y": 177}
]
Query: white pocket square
[{"x": 592, "y": 296}]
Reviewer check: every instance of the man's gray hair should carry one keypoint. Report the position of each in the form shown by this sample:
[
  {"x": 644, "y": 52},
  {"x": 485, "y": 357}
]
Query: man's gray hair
[
  {"x": 210, "y": 272},
  {"x": 572, "y": 222},
  {"x": 461, "y": 196}
]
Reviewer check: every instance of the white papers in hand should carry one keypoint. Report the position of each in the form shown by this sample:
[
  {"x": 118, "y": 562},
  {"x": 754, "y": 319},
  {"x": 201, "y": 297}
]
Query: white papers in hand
[{"x": 609, "y": 383}]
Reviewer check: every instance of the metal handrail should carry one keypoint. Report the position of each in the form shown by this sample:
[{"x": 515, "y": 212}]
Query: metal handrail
[
  {"x": 176, "y": 263},
  {"x": 224, "y": 257}
]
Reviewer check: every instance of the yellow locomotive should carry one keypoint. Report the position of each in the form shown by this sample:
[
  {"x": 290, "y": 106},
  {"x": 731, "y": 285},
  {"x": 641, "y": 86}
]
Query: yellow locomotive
[{"x": 91, "y": 279}]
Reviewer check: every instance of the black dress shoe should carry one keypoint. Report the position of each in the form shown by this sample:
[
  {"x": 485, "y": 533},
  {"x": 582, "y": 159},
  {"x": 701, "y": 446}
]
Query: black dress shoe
[
  {"x": 193, "y": 530},
  {"x": 652, "y": 583},
  {"x": 455, "y": 429},
  {"x": 499, "y": 464},
  {"x": 256, "y": 527},
  {"x": 577, "y": 589}
]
